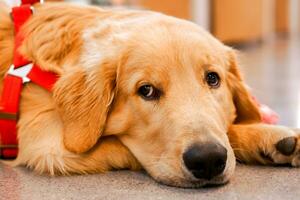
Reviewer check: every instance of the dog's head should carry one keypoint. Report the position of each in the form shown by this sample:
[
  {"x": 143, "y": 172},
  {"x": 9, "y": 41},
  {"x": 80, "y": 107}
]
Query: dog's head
[{"x": 166, "y": 88}]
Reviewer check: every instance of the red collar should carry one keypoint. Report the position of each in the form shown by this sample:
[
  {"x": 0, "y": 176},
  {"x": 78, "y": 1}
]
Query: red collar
[{"x": 22, "y": 71}]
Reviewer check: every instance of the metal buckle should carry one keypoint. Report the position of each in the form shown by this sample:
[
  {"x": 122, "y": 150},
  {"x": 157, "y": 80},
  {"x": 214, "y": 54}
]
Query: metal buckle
[
  {"x": 21, "y": 72},
  {"x": 9, "y": 116}
]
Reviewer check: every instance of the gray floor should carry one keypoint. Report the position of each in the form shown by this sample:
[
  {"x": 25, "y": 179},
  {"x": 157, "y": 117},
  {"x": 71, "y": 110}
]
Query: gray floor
[
  {"x": 273, "y": 72},
  {"x": 248, "y": 183}
]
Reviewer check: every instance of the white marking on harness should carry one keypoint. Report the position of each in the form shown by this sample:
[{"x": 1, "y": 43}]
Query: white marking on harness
[{"x": 21, "y": 72}]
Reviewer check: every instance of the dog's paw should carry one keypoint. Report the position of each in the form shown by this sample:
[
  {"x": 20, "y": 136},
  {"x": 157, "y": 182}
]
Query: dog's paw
[{"x": 287, "y": 151}]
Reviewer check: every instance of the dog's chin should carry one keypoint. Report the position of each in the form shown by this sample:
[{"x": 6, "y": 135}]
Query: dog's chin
[
  {"x": 193, "y": 183},
  {"x": 181, "y": 177}
]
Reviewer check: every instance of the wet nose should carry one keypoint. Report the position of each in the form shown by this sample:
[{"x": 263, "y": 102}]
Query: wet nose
[{"x": 205, "y": 161}]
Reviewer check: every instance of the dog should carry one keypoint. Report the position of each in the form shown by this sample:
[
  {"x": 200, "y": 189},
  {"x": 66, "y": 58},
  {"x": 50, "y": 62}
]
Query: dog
[{"x": 137, "y": 90}]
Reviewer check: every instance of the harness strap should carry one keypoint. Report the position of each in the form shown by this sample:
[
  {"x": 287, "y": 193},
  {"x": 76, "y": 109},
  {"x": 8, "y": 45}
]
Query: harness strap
[
  {"x": 45, "y": 79},
  {"x": 20, "y": 15},
  {"x": 20, "y": 72},
  {"x": 8, "y": 116},
  {"x": 31, "y": 1}
]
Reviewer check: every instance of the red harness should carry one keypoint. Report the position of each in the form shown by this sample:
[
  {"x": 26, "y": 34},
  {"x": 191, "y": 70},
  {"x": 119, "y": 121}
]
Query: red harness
[{"x": 22, "y": 71}]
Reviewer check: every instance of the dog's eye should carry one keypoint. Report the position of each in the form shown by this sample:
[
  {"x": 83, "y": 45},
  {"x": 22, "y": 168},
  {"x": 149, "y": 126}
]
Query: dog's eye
[
  {"x": 148, "y": 92},
  {"x": 213, "y": 79}
]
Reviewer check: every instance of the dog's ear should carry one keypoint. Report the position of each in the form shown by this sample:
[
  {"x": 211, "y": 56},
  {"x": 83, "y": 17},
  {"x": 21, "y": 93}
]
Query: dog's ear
[
  {"x": 246, "y": 109},
  {"x": 83, "y": 100}
]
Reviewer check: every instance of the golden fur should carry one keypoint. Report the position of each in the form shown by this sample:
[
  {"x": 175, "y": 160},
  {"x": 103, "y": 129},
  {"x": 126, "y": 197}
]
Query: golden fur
[{"x": 94, "y": 121}]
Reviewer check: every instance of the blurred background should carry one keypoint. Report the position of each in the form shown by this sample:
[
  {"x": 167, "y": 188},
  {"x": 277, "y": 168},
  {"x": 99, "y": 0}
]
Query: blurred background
[
  {"x": 266, "y": 32},
  {"x": 232, "y": 21}
]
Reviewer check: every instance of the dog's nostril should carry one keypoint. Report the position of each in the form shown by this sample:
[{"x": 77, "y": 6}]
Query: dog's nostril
[
  {"x": 205, "y": 160},
  {"x": 220, "y": 165}
]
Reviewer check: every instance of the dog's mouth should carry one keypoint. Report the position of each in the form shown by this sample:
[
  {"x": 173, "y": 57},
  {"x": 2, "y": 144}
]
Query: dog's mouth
[
  {"x": 185, "y": 179},
  {"x": 180, "y": 176},
  {"x": 192, "y": 183}
]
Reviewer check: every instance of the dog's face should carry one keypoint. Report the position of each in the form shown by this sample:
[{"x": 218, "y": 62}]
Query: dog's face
[
  {"x": 169, "y": 91},
  {"x": 173, "y": 107}
]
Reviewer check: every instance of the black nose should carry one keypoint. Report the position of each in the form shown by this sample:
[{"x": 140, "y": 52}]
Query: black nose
[{"x": 205, "y": 160}]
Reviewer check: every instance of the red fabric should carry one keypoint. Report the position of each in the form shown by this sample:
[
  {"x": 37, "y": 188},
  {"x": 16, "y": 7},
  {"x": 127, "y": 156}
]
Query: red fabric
[
  {"x": 42, "y": 78},
  {"x": 30, "y": 1},
  {"x": 20, "y": 15},
  {"x": 9, "y": 153},
  {"x": 11, "y": 94},
  {"x": 12, "y": 86}
]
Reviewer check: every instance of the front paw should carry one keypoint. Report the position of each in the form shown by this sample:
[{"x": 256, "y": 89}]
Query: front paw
[{"x": 287, "y": 151}]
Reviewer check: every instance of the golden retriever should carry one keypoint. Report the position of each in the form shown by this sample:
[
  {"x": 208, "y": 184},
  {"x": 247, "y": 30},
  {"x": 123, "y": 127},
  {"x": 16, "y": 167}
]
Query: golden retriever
[{"x": 137, "y": 89}]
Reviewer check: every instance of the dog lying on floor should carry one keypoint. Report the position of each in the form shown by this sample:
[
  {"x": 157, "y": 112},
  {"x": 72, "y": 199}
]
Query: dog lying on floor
[{"x": 137, "y": 89}]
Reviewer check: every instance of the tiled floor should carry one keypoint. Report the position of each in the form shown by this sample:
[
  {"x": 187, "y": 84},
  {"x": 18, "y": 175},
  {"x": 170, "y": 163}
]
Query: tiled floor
[{"x": 273, "y": 72}]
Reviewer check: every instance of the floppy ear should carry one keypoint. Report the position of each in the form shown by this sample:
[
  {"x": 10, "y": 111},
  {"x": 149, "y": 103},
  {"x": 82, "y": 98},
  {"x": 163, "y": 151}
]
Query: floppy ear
[
  {"x": 83, "y": 100},
  {"x": 246, "y": 109}
]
